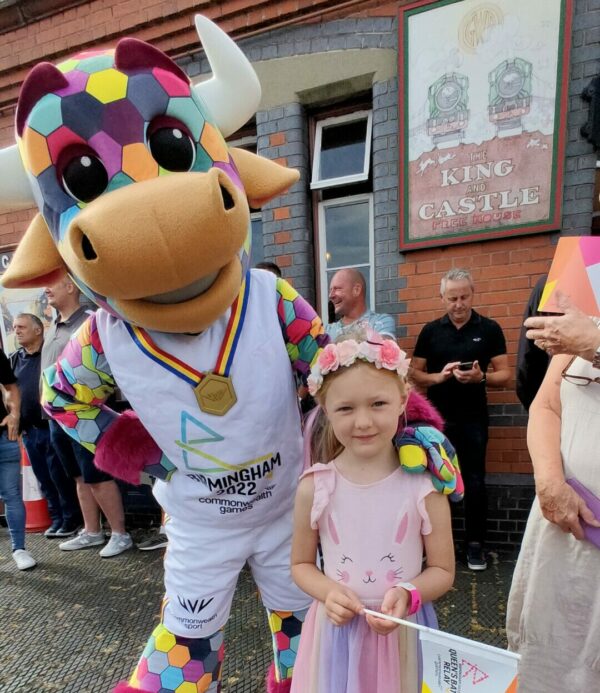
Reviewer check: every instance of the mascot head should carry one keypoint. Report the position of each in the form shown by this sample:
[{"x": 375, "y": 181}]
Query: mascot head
[{"x": 140, "y": 198}]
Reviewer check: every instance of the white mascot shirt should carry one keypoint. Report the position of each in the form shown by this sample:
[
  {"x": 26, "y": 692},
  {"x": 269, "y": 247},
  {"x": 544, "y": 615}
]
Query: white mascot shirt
[{"x": 240, "y": 468}]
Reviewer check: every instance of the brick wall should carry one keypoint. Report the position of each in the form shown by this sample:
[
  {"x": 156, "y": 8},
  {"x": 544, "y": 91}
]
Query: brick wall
[
  {"x": 388, "y": 282},
  {"x": 406, "y": 285},
  {"x": 509, "y": 501},
  {"x": 31, "y": 31},
  {"x": 504, "y": 272},
  {"x": 287, "y": 221}
]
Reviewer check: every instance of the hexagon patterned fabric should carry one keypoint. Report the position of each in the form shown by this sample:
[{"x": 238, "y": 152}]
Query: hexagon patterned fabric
[
  {"x": 172, "y": 664},
  {"x": 91, "y": 107}
]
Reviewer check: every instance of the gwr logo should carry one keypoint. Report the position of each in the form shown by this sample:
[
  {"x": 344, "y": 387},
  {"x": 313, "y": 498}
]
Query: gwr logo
[{"x": 193, "y": 607}]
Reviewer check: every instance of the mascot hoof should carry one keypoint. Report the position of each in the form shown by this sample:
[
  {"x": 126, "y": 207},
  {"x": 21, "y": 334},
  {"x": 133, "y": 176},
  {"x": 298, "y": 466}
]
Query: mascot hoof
[
  {"x": 126, "y": 449},
  {"x": 274, "y": 686}
]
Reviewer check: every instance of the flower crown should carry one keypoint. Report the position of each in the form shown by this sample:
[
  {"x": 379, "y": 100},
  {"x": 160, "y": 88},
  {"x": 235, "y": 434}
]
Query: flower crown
[{"x": 382, "y": 353}]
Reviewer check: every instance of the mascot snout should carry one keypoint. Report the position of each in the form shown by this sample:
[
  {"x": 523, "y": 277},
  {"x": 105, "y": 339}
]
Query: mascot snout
[{"x": 189, "y": 227}]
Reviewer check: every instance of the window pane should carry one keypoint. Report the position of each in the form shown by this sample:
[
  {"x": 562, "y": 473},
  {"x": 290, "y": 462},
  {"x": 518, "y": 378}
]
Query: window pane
[
  {"x": 258, "y": 248},
  {"x": 343, "y": 149},
  {"x": 347, "y": 234},
  {"x": 365, "y": 271}
]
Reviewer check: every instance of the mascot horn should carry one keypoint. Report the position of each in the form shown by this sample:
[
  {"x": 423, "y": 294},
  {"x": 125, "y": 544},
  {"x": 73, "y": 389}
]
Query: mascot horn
[{"x": 145, "y": 206}]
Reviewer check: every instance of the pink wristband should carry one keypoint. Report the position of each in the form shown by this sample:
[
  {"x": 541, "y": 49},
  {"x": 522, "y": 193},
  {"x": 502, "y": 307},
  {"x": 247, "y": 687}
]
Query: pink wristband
[{"x": 415, "y": 597}]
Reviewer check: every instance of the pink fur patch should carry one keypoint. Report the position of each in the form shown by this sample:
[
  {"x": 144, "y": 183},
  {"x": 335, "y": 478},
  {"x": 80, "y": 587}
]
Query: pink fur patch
[
  {"x": 420, "y": 410},
  {"x": 274, "y": 686},
  {"x": 126, "y": 448},
  {"x": 124, "y": 687}
]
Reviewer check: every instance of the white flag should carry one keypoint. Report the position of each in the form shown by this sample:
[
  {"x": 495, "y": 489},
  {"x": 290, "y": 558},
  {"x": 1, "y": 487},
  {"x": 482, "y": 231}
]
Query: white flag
[{"x": 453, "y": 666}]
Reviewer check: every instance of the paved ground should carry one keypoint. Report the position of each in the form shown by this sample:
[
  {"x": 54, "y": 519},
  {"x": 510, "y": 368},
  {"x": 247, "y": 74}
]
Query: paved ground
[{"x": 77, "y": 623}]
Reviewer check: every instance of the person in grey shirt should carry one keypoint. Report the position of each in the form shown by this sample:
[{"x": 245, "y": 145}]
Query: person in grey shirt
[
  {"x": 348, "y": 292},
  {"x": 96, "y": 490}
]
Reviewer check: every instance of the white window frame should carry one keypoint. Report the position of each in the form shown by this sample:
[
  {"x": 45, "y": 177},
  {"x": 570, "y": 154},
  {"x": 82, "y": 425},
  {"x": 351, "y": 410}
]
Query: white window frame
[
  {"x": 244, "y": 142},
  {"x": 316, "y": 183},
  {"x": 323, "y": 269}
]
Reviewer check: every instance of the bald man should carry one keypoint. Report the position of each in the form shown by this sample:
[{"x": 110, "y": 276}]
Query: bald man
[{"x": 348, "y": 292}]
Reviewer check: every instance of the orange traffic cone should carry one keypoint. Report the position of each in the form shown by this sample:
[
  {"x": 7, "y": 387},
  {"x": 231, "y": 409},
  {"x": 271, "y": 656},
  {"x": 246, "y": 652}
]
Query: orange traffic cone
[{"x": 37, "y": 518}]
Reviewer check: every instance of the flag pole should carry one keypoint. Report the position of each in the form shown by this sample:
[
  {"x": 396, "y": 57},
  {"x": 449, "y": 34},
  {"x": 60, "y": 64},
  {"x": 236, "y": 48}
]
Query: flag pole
[{"x": 455, "y": 638}]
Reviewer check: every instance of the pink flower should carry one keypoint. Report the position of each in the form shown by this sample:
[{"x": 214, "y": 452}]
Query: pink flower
[
  {"x": 390, "y": 354},
  {"x": 328, "y": 359},
  {"x": 347, "y": 352}
]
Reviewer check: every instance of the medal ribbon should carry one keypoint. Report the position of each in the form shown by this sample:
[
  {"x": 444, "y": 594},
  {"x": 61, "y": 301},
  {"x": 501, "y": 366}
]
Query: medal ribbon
[{"x": 226, "y": 354}]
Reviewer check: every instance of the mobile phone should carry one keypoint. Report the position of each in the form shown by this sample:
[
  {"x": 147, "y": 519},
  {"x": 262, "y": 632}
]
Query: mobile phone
[{"x": 465, "y": 366}]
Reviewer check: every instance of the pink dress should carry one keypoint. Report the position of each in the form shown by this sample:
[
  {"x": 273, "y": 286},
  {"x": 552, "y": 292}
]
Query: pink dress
[{"x": 371, "y": 537}]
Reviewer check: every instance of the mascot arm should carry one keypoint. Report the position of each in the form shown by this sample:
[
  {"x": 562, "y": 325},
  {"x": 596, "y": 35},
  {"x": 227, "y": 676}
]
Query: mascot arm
[
  {"x": 76, "y": 387},
  {"x": 302, "y": 329},
  {"x": 74, "y": 393}
]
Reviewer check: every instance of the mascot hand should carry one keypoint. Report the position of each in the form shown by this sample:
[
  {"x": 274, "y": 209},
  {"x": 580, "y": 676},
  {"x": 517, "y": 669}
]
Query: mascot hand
[{"x": 127, "y": 449}]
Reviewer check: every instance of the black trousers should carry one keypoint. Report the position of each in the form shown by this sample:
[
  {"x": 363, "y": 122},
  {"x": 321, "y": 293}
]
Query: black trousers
[
  {"x": 470, "y": 441},
  {"x": 57, "y": 486}
]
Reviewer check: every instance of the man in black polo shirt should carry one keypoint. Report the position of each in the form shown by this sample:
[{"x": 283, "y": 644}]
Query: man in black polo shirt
[
  {"x": 452, "y": 358},
  {"x": 57, "y": 487}
]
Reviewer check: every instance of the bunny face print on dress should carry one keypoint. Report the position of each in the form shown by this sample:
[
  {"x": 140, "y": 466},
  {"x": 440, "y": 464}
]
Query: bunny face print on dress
[{"x": 370, "y": 558}]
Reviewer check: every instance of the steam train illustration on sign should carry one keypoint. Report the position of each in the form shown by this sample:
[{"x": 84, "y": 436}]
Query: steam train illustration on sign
[
  {"x": 508, "y": 101},
  {"x": 448, "y": 110},
  {"x": 510, "y": 96}
]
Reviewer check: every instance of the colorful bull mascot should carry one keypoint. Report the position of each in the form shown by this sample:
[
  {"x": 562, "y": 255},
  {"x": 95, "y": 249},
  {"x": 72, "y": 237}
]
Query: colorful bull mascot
[{"x": 146, "y": 207}]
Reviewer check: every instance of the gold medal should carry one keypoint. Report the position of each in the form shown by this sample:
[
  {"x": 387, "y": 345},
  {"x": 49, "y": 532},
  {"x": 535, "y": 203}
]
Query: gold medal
[
  {"x": 215, "y": 394},
  {"x": 213, "y": 389}
]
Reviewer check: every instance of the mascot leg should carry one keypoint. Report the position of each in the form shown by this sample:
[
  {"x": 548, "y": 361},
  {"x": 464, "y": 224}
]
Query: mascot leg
[
  {"x": 170, "y": 661},
  {"x": 285, "y": 629}
]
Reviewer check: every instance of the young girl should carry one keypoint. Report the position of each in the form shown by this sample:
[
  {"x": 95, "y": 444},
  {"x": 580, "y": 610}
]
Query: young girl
[{"x": 373, "y": 521}]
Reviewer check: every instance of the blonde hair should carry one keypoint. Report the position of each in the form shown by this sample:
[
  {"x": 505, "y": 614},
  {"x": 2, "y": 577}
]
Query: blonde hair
[{"x": 323, "y": 445}]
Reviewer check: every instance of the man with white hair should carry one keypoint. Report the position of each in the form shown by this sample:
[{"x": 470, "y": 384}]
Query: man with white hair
[{"x": 451, "y": 359}]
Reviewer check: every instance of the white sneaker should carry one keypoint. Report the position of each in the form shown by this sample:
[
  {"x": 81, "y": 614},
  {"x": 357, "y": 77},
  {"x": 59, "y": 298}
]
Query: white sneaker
[
  {"x": 116, "y": 545},
  {"x": 83, "y": 541},
  {"x": 24, "y": 559}
]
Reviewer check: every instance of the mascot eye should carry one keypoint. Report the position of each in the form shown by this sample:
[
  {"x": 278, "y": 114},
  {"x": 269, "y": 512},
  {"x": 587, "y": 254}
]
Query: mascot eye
[
  {"x": 84, "y": 177},
  {"x": 172, "y": 148}
]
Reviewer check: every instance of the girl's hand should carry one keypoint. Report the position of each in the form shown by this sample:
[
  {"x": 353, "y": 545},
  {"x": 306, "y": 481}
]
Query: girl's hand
[
  {"x": 342, "y": 605},
  {"x": 395, "y": 603}
]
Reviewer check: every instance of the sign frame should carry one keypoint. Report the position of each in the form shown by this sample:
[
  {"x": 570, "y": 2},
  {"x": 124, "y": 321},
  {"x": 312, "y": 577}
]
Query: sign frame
[{"x": 412, "y": 235}]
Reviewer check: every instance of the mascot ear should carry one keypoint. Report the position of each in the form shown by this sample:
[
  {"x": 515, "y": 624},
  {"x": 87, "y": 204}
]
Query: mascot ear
[
  {"x": 43, "y": 79},
  {"x": 132, "y": 54},
  {"x": 36, "y": 261},
  {"x": 263, "y": 179}
]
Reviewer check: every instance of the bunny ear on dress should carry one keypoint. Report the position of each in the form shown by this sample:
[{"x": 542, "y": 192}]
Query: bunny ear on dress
[
  {"x": 402, "y": 529},
  {"x": 335, "y": 537}
]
